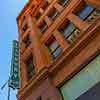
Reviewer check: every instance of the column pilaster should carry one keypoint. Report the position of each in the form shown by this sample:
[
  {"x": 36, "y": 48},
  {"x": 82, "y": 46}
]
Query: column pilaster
[{"x": 39, "y": 50}]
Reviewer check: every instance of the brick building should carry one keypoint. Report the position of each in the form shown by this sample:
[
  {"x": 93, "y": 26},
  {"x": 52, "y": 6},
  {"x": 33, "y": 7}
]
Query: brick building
[{"x": 59, "y": 50}]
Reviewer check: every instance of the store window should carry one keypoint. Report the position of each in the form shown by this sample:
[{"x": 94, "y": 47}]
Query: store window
[{"x": 82, "y": 82}]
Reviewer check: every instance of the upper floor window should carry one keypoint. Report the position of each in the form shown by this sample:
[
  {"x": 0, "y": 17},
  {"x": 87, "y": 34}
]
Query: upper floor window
[
  {"x": 93, "y": 16},
  {"x": 45, "y": 5},
  {"x": 63, "y": 2},
  {"x": 68, "y": 29},
  {"x": 25, "y": 27},
  {"x": 27, "y": 41},
  {"x": 88, "y": 13},
  {"x": 30, "y": 67},
  {"x": 53, "y": 13},
  {"x": 43, "y": 27},
  {"x": 37, "y": 16},
  {"x": 85, "y": 11},
  {"x": 39, "y": 98},
  {"x": 55, "y": 49}
]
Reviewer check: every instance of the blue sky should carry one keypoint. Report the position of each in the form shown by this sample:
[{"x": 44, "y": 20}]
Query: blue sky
[{"x": 9, "y": 10}]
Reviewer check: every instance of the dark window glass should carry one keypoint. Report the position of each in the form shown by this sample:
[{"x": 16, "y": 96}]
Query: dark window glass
[
  {"x": 54, "y": 13},
  {"x": 85, "y": 12},
  {"x": 39, "y": 98},
  {"x": 43, "y": 27},
  {"x": 91, "y": 94},
  {"x": 37, "y": 15},
  {"x": 27, "y": 41},
  {"x": 30, "y": 67},
  {"x": 55, "y": 49},
  {"x": 63, "y": 2},
  {"x": 25, "y": 28},
  {"x": 70, "y": 31}
]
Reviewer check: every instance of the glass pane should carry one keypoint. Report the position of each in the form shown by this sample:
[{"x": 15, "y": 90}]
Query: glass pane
[
  {"x": 91, "y": 94},
  {"x": 44, "y": 27},
  {"x": 85, "y": 11},
  {"x": 73, "y": 36},
  {"x": 68, "y": 29},
  {"x": 83, "y": 81},
  {"x": 55, "y": 14},
  {"x": 57, "y": 52},
  {"x": 64, "y": 2},
  {"x": 53, "y": 46}
]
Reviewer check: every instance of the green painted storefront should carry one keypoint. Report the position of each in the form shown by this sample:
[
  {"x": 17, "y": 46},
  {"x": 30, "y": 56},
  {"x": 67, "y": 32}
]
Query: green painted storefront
[{"x": 83, "y": 81}]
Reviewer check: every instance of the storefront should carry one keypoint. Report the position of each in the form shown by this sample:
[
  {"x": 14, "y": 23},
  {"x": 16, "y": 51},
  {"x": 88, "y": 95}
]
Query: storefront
[{"x": 86, "y": 84}]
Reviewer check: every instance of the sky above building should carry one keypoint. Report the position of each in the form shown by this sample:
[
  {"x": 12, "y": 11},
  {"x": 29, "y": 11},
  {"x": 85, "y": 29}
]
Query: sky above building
[{"x": 9, "y": 10}]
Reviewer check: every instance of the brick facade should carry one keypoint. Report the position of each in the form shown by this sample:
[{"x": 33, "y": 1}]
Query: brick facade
[{"x": 40, "y": 22}]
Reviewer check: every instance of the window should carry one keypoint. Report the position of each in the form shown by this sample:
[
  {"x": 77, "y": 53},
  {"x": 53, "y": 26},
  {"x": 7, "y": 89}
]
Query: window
[
  {"x": 37, "y": 15},
  {"x": 85, "y": 12},
  {"x": 39, "y": 98},
  {"x": 54, "y": 13},
  {"x": 70, "y": 31},
  {"x": 88, "y": 13},
  {"x": 63, "y": 2},
  {"x": 25, "y": 28},
  {"x": 30, "y": 68},
  {"x": 43, "y": 27},
  {"x": 55, "y": 49},
  {"x": 45, "y": 5},
  {"x": 93, "y": 16},
  {"x": 27, "y": 41},
  {"x": 92, "y": 94}
]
